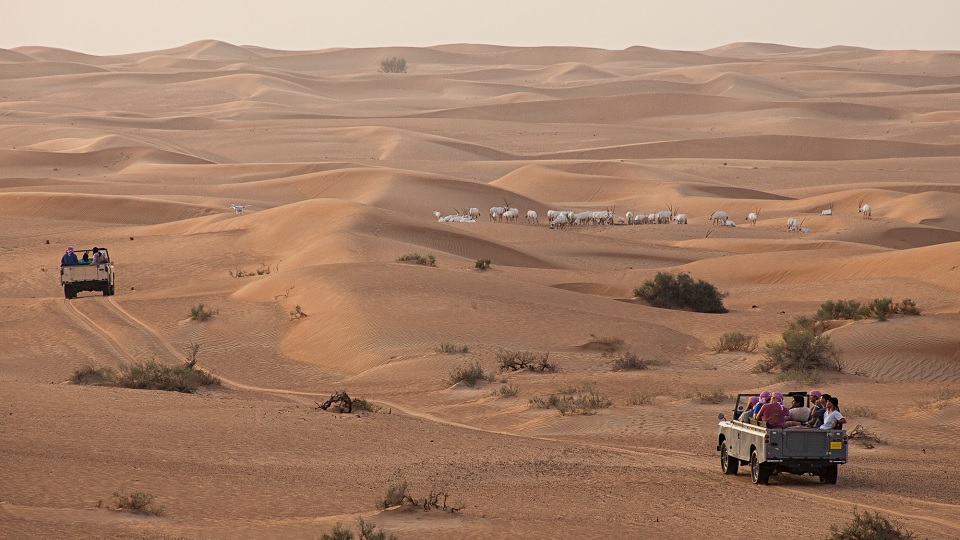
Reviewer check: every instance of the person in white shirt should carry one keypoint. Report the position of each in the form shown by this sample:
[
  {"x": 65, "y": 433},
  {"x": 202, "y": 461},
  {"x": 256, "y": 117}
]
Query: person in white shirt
[
  {"x": 798, "y": 413},
  {"x": 832, "y": 419}
]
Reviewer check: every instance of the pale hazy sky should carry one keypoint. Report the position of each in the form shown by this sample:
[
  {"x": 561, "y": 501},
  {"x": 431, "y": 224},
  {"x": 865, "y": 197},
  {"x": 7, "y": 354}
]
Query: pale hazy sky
[{"x": 122, "y": 26}]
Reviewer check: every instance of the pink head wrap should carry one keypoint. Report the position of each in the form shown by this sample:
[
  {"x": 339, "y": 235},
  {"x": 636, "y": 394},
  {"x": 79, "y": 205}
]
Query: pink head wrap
[
  {"x": 70, "y": 249},
  {"x": 778, "y": 397},
  {"x": 764, "y": 395},
  {"x": 753, "y": 401},
  {"x": 816, "y": 394}
]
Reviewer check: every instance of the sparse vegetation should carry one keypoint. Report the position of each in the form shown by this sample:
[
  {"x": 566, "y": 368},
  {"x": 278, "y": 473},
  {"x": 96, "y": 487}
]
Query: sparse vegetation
[
  {"x": 452, "y": 348},
  {"x": 429, "y": 260},
  {"x": 941, "y": 399},
  {"x": 879, "y": 308},
  {"x": 369, "y": 531},
  {"x": 869, "y": 526},
  {"x": 338, "y": 533},
  {"x": 200, "y": 313},
  {"x": 238, "y": 273},
  {"x": 641, "y": 399},
  {"x": 717, "y": 396},
  {"x": 906, "y": 307},
  {"x": 393, "y": 65},
  {"x": 397, "y": 495},
  {"x": 860, "y": 411},
  {"x": 470, "y": 374},
  {"x": 361, "y": 404},
  {"x": 482, "y": 264},
  {"x": 680, "y": 291},
  {"x": 297, "y": 314},
  {"x": 802, "y": 348},
  {"x": 147, "y": 375},
  {"x": 508, "y": 390},
  {"x": 137, "y": 502},
  {"x": 609, "y": 343},
  {"x": 583, "y": 401},
  {"x": 523, "y": 360},
  {"x": 628, "y": 361},
  {"x": 737, "y": 341}
]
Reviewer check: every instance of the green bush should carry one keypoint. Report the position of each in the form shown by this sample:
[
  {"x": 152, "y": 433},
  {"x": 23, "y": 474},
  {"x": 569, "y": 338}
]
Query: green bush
[
  {"x": 869, "y": 526},
  {"x": 628, "y": 361},
  {"x": 429, "y": 260},
  {"x": 470, "y": 374},
  {"x": 508, "y": 390},
  {"x": 907, "y": 307},
  {"x": 680, "y": 291},
  {"x": 147, "y": 375},
  {"x": 841, "y": 309},
  {"x": 102, "y": 376},
  {"x": 800, "y": 349},
  {"x": 737, "y": 341},
  {"x": 482, "y": 264},
  {"x": 199, "y": 313},
  {"x": 881, "y": 308},
  {"x": 338, "y": 533},
  {"x": 393, "y": 65}
]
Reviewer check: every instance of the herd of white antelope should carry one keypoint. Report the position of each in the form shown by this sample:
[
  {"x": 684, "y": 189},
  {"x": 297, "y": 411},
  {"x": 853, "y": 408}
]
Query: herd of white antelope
[{"x": 558, "y": 219}]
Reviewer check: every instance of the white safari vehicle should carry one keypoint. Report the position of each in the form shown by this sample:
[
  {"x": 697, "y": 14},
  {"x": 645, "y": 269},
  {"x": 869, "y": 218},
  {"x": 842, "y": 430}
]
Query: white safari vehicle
[
  {"x": 771, "y": 451},
  {"x": 88, "y": 277}
]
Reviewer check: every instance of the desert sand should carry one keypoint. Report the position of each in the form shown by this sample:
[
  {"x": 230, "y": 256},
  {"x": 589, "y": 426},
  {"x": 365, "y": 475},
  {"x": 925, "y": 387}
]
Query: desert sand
[{"x": 343, "y": 167}]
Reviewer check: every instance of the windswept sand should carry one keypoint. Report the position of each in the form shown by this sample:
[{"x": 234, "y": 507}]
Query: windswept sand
[{"x": 344, "y": 166}]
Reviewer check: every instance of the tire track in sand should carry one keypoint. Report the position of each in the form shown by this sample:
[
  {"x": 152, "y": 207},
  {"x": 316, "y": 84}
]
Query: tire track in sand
[{"x": 676, "y": 458}]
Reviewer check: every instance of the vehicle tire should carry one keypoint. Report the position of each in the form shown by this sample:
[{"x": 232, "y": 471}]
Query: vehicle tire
[
  {"x": 828, "y": 475},
  {"x": 728, "y": 463},
  {"x": 759, "y": 472},
  {"x": 108, "y": 290},
  {"x": 69, "y": 292}
]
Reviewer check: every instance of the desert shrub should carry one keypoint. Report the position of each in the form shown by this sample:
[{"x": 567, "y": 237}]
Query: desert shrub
[
  {"x": 864, "y": 436},
  {"x": 393, "y": 65},
  {"x": 395, "y": 496},
  {"x": 842, "y": 309},
  {"x": 800, "y": 349},
  {"x": 583, "y": 403},
  {"x": 508, "y": 390},
  {"x": 869, "y": 526},
  {"x": 152, "y": 375},
  {"x": 524, "y": 360},
  {"x": 200, "y": 313},
  {"x": 737, "y": 341},
  {"x": 859, "y": 411},
  {"x": 451, "y": 348},
  {"x": 717, "y": 396},
  {"x": 906, "y": 307},
  {"x": 880, "y": 308},
  {"x": 609, "y": 343},
  {"x": 369, "y": 531},
  {"x": 297, "y": 314},
  {"x": 361, "y": 404},
  {"x": 470, "y": 374},
  {"x": 943, "y": 397},
  {"x": 137, "y": 502},
  {"x": 680, "y": 291},
  {"x": 482, "y": 264},
  {"x": 628, "y": 361},
  {"x": 429, "y": 260},
  {"x": 641, "y": 399},
  {"x": 338, "y": 533},
  {"x": 98, "y": 376}
]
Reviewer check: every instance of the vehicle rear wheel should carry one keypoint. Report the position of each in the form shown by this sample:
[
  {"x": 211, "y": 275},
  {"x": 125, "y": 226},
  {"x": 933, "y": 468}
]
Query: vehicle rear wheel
[
  {"x": 69, "y": 292},
  {"x": 108, "y": 290},
  {"x": 728, "y": 463},
  {"x": 828, "y": 475},
  {"x": 759, "y": 472}
]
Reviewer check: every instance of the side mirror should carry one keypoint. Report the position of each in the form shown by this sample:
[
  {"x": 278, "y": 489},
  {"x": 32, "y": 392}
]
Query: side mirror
[{"x": 721, "y": 417}]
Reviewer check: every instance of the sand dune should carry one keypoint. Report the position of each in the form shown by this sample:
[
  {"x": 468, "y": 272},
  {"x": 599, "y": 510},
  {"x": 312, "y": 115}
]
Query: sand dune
[{"x": 342, "y": 168}]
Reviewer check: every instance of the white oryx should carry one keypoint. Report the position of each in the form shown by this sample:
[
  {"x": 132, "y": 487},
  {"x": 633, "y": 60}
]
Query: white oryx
[
  {"x": 496, "y": 213},
  {"x": 511, "y": 214},
  {"x": 719, "y": 218},
  {"x": 828, "y": 211},
  {"x": 475, "y": 214},
  {"x": 238, "y": 208},
  {"x": 752, "y": 217},
  {"x": 792, "y": 224},
  {"x": 728, "y": 223},
  {"x": 560, "y": 221},
  {"x": 865, "y": 210},
  {"x": 629, "y": 218},
  {"x": 532, "y": 217},
  {"x": 681, "y": 219}
]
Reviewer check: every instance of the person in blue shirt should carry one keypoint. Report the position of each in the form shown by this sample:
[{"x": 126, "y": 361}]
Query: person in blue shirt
[{"x": 69, "y": 258}]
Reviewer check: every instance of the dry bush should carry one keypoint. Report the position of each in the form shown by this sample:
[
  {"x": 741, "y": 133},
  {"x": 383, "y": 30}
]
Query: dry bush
[
  {"x": 97, "y": 376},
  {"x": 628, "y": 361},
  {"x": 297, "y": 314},
  {"x": 452, "y": 348},
  {"x": 906, "y": 307},
  {"x": 397, "y": 495},
  {"x": 393, "y": 65},
  {"x": 199, "y": 313},
  {"x": 147, "y": 375},
  {"x": 137, "y": 502},
  {"x": 737, "y": 341},
  {"x": 941, "y": 399},
  {"x": 524, "y": 360},
  {"x": 470, "y": 374},
  {"x": 641, "y": 399},
  {"x": 717, "y": 396},
  {"x": 860, "y": 411},
  {"x": 582, "y": 403},
  {"x": 864, "y": 436},
  {"x": 361, "y": 404},
  {"x": 429, "y": 260},
  {"x": 609, "y": 343},
  {"x": 482, "y": 264},
  {"x": 869, "y": 526},
  {"x": 506, "y": 391}
]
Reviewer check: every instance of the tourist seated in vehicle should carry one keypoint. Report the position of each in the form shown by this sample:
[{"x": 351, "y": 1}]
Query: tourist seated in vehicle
[
  {"x": 69, "y": 258},
  {"x": 817, "y": 401},
  {"x": 774, "y": 413},
  {"x": 798, "y": 413},
  {"x": 764, "y": 399},
  {"x": 833, "y": 419},
  {"x": 99, "y": 257},
  {"x": 85, "y": 259},
  {"x": 747, "y": 414}
]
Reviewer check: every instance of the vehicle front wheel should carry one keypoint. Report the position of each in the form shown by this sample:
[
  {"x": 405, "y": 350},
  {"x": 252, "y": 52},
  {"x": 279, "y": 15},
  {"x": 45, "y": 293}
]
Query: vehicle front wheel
[
  {"x": 759, "y": 472},
  {"x": 828, "y": 475},
  {"x": 728, "y": 463}
]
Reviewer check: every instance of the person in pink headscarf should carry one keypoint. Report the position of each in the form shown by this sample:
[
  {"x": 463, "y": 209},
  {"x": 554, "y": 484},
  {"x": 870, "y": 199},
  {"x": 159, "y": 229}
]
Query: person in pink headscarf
[
  {"x": 774, "y": 413},
  {"x": 747, "y": 414}
]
